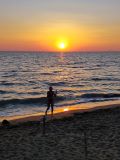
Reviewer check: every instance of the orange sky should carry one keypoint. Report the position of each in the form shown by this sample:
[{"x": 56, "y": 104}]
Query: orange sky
[{"x": 42, "y": 26}]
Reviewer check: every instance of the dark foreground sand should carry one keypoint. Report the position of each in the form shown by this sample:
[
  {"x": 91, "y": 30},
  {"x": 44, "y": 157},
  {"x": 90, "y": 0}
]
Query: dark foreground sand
[{"x": 85, "y": 136}]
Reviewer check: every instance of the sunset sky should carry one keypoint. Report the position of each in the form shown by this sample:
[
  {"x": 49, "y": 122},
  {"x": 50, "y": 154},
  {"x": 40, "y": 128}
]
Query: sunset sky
[{"x": 51, "y": 25}]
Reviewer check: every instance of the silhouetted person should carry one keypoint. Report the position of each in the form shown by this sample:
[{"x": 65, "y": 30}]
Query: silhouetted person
[{"x": 50, "y": 100}]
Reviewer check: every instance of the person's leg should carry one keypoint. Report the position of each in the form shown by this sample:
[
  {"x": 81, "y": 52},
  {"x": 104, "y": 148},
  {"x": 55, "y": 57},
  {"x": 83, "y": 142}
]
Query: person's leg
[
  {"x": 48, "y": 106},
  {"x": 52, "y": 109}
]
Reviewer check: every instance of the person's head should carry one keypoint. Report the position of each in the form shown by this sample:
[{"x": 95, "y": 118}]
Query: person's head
[{"x": 50, "y": 88}]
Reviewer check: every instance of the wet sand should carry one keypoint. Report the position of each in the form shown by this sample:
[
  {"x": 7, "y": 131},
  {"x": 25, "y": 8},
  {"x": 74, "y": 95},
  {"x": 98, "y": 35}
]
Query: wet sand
[{"x": 90, "y": 135}]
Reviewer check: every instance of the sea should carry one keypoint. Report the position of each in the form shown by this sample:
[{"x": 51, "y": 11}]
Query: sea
[{"x": 79, "y": 78}]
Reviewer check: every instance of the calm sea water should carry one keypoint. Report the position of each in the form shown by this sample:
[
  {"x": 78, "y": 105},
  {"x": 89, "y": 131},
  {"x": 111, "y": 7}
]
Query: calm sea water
[{"x": 78, "y": 78}]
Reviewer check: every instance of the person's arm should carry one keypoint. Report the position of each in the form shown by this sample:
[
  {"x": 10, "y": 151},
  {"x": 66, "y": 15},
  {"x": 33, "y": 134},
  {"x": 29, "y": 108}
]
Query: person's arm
[{"x": 55, "y": 93}]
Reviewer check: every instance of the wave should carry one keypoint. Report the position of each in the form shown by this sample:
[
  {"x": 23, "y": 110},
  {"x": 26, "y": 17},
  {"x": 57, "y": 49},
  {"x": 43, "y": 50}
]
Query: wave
[
  {"x": 10, "y": 75},
  {"x": 91, "y": 69},
  {"x": 2, "y": 92},
  {"x": 46, "y": 74},
  {"x": 6, "y": 92},
  {"x": 7, "y": 83},
  {"x": 41, "y": 100},
  {"x": 100, "y": 95},
  {"x": 88, "y": 97},
  {"x": 105, "y": 79},
  {"x": 56, "y": 84},
  {"x": 78, "y": 85}
]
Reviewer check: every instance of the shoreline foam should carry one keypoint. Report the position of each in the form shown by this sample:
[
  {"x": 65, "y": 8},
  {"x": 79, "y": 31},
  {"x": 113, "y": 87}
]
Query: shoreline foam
[{"x": 61, "y": 112}]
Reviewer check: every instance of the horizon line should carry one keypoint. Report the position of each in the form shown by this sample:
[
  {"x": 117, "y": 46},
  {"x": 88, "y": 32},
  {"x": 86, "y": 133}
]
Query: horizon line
[{"x": 59, "y": 51}]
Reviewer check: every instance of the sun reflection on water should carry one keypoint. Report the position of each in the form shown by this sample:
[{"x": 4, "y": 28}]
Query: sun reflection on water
[{"x": 66, "y": 109}]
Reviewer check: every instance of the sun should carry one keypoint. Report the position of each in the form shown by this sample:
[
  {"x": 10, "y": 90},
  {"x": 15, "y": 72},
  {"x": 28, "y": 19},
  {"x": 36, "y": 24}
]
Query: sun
[{"x": 62, "y": 45}]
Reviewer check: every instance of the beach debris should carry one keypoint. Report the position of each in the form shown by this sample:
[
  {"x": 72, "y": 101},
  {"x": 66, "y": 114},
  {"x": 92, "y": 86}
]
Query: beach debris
[{"x": 5, "y": 123}]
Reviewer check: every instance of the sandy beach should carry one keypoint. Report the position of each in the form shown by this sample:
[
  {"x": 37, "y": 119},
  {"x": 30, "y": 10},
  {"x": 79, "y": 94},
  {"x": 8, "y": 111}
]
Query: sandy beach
[{"x": 93, "y": 135}]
